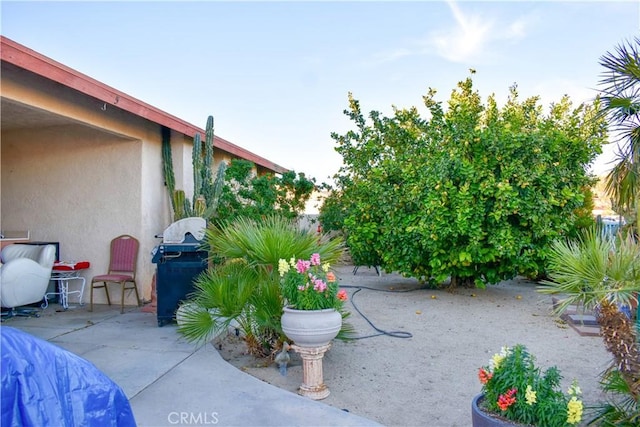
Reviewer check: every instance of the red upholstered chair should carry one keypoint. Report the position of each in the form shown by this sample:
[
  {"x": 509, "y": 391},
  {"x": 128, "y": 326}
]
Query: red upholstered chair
[{"x": 122, "y": 269}]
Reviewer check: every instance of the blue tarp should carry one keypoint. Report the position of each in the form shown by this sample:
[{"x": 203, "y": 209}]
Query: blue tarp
[{"x": 45, "y": 385}]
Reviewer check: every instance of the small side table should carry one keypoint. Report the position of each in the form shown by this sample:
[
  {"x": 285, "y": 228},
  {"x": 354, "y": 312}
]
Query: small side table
[{"x": 62, "y": 272}]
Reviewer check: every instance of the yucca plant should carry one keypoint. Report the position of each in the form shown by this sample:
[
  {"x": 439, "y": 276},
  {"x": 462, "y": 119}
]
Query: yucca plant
[
  {"x": 243, "y": 284},
  {"x": 603, "y": 274}
]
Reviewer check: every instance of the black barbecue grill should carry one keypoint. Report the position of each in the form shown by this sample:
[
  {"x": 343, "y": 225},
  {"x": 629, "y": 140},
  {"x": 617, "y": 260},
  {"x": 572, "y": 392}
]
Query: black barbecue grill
[{"x": 180, "y": 258}]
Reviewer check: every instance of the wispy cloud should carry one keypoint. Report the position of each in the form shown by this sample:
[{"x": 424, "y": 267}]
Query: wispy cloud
[
  {"x": 471, "y": 38},
  {"x": 466, "y": 40}
]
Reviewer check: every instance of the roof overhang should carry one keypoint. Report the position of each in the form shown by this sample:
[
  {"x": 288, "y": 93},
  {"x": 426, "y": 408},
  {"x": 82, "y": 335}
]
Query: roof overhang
[{"x": 30, "y": 60}]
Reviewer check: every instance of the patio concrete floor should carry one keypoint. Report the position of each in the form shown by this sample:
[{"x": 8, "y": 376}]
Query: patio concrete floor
[{"x": 168, "y": 380}]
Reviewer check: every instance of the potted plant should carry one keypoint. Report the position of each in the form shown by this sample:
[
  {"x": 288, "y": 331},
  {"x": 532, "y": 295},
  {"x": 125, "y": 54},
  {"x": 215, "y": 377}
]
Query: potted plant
[
  {"x": 516, "y": 392},
  {"x": 313, "y": 301},
  {"x": 242, "y": 285}
]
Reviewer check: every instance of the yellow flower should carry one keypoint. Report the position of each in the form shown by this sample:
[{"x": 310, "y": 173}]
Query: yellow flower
[
  {"x": 574, "y": 389},
  {"x": 574, "y": 411},
  {"x": 325, "y": 267},
  {"x": 497, "y": 360},
  {"x": 283, "y": 267},
  {"x": 292, "y": 261},
  {"x": 530, "y": 395}
]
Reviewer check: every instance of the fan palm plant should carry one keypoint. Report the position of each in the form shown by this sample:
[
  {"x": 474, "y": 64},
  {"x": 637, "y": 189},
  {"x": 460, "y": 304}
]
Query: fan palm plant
[
  {"x": 243, "y": 285},
  {"x": 620, "y": 98},
  {"x": 603, "y": 274}
]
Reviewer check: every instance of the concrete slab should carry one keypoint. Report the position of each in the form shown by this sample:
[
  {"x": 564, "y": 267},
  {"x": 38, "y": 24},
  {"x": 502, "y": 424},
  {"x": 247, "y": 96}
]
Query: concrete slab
[
  {"x": 230, "y": 398},
  {"x": 170, "y": 381},
  {"x": 583, "y": 319},
  {"x": 135, "y": 369},
  {"x": 585, "y": 330},
  {"x": 580, "y": 320},
  {"x": 121, "y": 333}
]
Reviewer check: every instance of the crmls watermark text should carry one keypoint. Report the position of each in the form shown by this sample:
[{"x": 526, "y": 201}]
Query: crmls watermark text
[{"x": 193, "y": 418}]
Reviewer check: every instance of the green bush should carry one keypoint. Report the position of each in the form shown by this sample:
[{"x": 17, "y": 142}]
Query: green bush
[{"x": 475, "y": 193}]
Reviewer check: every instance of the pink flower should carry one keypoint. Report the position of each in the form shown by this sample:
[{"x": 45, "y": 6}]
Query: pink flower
[
  {"x": 315, "y": 259},
  {"x": 319, "y": 285},
  {"x": 302, "y": 266},
  {"x": 342, "y": 295}
]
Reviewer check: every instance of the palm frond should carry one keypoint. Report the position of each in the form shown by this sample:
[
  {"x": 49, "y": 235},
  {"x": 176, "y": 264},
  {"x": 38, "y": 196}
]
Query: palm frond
[
  {"x": 220, "y": 297},
  {"x": 578, "y": 270},
  {"x": 593, "y": 268},
  {"x": 263, "y": 243},
  {"x": 620, "y": 409},
  {"x": 620, "y": 98},
  {"x": 197, "y": 325},
  {"x": 622, "y": 65},
  {"x": 267, "y": 303}
]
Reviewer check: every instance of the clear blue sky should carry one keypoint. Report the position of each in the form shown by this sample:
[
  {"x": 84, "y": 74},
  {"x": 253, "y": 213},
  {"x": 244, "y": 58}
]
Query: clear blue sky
[{"x": 275, "y": 75}]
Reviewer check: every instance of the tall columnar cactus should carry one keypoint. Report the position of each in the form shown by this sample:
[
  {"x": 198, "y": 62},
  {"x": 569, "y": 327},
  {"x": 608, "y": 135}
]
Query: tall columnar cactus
[
  {"x": 181, "y": 205},
  {"x": 198, "y": 164},
  {"x": 167, "y": 164},
  {"x": 206, "y": 192},
  {"x": 206, "y": 170}
]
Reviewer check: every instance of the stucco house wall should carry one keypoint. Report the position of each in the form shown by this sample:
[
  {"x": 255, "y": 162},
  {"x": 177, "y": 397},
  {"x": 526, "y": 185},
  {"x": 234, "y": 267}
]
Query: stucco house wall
[
  {"x": 83, "y": 184},
  {"x": 89, "y": 170}
]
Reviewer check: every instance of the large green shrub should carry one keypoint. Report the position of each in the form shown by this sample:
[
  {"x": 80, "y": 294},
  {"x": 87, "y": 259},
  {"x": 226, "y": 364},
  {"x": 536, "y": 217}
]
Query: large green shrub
[{"x": 475, "y": 193}]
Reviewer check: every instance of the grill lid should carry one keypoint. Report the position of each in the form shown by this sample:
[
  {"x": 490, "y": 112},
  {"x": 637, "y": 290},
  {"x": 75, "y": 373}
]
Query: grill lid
[{"x": 179, "y": 231}]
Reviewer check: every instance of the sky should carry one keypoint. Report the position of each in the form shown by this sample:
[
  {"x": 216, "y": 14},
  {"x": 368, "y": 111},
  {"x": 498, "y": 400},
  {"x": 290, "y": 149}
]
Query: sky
[{"x": 276, "y": 75}]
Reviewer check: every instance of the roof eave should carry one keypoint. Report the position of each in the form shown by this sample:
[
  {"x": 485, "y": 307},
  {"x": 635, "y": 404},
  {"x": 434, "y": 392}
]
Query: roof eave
[{"x": 30, "y": 60}]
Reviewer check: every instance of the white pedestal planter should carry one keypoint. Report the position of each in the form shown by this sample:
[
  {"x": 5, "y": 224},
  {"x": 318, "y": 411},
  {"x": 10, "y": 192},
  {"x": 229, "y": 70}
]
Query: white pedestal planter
[
  {"x": 313, "y": 385},
  {"x": 312, "y": 332}
]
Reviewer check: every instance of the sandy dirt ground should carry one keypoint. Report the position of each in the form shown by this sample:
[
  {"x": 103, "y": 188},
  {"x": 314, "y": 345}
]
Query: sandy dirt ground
[{"x": 427, "y": 374}]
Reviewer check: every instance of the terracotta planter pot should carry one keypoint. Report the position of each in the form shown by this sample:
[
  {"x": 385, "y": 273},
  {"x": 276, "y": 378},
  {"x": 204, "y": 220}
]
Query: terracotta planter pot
[
  {"x": 479, "y": 418},
  {"x": 311, "y": 328}
]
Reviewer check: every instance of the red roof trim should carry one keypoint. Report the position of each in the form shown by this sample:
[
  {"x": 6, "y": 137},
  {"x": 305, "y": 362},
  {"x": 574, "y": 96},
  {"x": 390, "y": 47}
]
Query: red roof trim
[{"x": 28, "y": 59}]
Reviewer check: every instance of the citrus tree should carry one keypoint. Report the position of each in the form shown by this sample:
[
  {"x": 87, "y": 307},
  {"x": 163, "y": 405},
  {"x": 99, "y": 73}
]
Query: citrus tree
[{"x": 474, "y": 192}]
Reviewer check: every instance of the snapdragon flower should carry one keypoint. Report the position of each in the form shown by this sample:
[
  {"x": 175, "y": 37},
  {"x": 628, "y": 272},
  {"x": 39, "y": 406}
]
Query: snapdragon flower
[
  {"x": 283, "y": 267},
  {"x": 574, "y": 411},
  {"x": 530, "y": 396}
]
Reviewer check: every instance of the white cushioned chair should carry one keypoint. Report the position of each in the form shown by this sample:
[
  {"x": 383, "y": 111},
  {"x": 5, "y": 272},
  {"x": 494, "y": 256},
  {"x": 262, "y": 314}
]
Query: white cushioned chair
[{"x": 25, "y": 276}]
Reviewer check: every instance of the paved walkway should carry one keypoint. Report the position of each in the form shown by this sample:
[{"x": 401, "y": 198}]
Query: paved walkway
[{"x": 168, "y": 381}]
